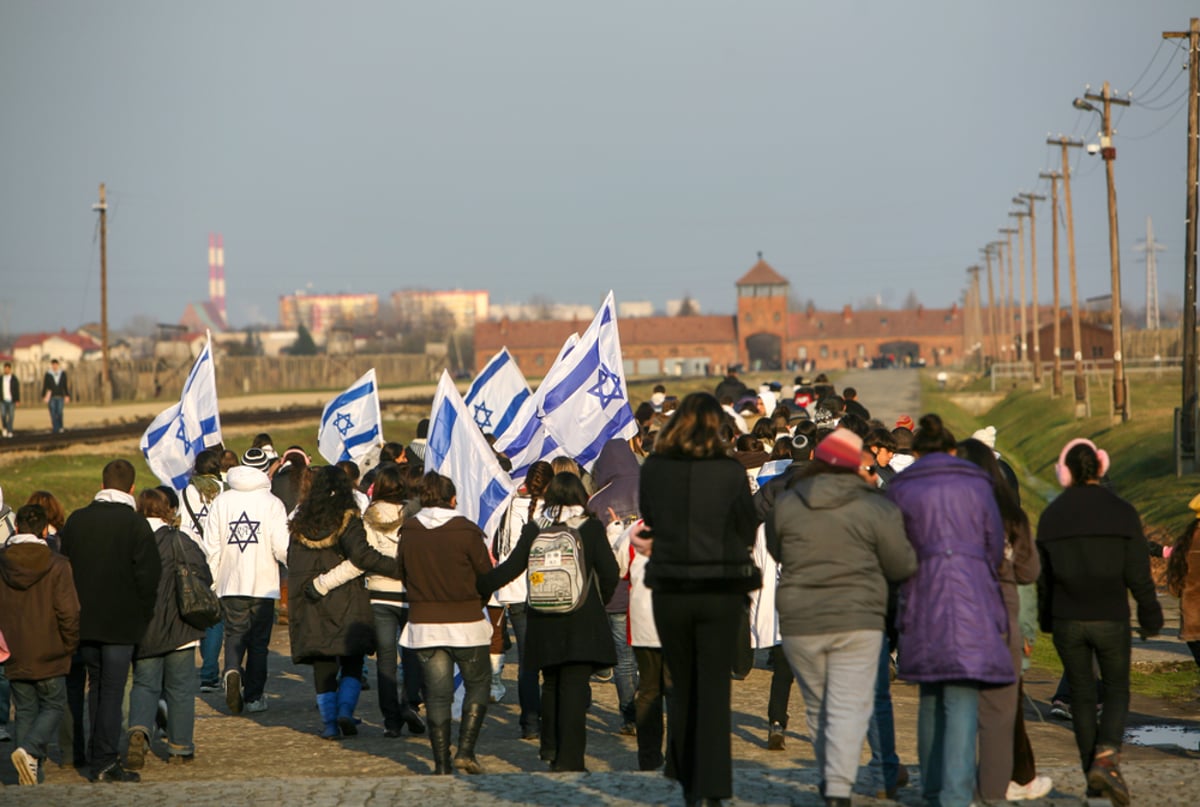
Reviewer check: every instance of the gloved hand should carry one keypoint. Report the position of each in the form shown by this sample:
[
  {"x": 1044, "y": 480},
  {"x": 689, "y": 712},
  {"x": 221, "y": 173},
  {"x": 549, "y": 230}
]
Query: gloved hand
[{"x": 310, "y": 592}]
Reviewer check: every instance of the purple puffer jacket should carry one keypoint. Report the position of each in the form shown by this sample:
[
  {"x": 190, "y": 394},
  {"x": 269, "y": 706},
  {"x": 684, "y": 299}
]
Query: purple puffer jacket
[{"x": 952, "y": 619}]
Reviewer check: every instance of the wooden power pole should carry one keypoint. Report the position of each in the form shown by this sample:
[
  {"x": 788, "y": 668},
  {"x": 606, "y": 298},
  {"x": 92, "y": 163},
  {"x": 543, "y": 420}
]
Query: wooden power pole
[
  {"x": 1108, "y": 151},
  {"x": 1014, "y": 341},
  {"x": 1187, "y": 414},
  {"x": 1056, "y": 387},
  {"x": 1035, "y": 302},
  {"x": 1020, "y": 216},
  {"x": 987, "y": 257},
  {"x": 1076, "y": 338},
  {"x": 105, "y": 376}
]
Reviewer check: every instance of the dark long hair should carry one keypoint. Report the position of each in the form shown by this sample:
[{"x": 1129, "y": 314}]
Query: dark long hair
[
  {"x": 694, "y": 430},
  {"x": 976, "y": 452},
  {"x": 537, "y": 480},
  {"x": 389, "y": 485},
  {"x": 1083, "y": 463},
  {"x": 1177, "y": 564},
  {"x": 932, "y": 436},
  {"x": 565, "y": 490},
  {"x": 323, "y": 509}
]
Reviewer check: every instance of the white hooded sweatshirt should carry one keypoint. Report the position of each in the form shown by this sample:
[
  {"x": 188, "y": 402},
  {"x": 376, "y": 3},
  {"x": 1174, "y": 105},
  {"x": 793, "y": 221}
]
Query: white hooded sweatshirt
[{"x": 246, "y": 536}]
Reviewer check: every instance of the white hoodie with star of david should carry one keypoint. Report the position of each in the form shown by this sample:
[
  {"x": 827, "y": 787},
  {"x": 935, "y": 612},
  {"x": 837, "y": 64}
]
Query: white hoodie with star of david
[{"x": 246, "y": 536}]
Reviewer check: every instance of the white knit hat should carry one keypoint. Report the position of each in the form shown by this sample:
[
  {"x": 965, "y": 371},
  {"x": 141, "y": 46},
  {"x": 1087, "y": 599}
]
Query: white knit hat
[{"x": 987, "y": 436}]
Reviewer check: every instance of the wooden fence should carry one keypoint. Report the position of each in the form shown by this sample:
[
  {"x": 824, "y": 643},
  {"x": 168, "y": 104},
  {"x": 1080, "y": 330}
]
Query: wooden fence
[{"x": 151, "y": 379}]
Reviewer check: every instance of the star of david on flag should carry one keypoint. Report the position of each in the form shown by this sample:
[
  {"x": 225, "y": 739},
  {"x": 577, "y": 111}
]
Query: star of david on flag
[
  {"x": 457, "y": 449},
  {"x": 351, "y": 422},
  {"x": 584, "y": 404},
  {"x": 497, "y": 393},
  {"x": 181, "y": 431},
  {"x": 526, "y": 441}
]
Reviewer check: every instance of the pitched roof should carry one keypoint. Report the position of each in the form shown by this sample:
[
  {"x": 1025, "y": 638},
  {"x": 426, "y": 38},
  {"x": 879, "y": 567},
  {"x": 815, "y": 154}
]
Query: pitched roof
[
  {"x": 84, "y": 343},
  {"x": 204, "y": 314},
  {"x": 762, "y": 274},
  {"x": 550, "y": 334},
  {"x": 879, "y": 324}
]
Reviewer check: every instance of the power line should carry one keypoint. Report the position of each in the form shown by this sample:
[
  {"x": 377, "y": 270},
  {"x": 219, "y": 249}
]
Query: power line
[
  {"x": 1158, "y": 128},
  {"x": 1150, "y": 63},
  {"x": 1166, "y": 67},
  {"x": 1143, "y": 103},
  {"x": 1169, "y": 104}
]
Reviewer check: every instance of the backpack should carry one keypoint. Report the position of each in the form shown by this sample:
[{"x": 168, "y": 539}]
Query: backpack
[{"x": 558, "y": 574}]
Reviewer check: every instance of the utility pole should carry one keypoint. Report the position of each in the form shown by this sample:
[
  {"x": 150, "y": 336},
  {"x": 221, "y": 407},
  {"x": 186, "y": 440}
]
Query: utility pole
[
  {"x": 987, "y": 256},
  {"x": 1056, "y": 387},
  {"x": 1187, "y": 419},
  {"x": 1014, "y": 340},
  {"x": 1002, "y": 307},
  {"x": 1109, "y": 153},
  {"x": 105, "y": 376},
  {"x": 974, "y": 315},
  {"x": 1023, "y": 340},
  {"x": 1076, "y": 338},
  {"x": 1036, "y": 303}
]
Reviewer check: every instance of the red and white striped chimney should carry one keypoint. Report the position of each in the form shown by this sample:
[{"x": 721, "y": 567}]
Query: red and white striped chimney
[{"x": 216, "y": 290}]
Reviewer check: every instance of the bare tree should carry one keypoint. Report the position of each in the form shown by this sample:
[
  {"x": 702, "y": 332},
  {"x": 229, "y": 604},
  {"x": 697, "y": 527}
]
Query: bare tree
[{"x": 687, "y": 307}]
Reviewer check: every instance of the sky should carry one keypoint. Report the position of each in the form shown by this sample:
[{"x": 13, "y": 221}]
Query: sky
[{"x": 561, "y": 149}]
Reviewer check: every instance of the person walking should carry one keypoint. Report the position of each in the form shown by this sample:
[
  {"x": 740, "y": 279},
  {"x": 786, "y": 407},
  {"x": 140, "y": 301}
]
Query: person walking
[
  {"x": 39, "y": 619},
  {"x": 56, "y": 393},
  {"x": 524, "y": 508},
  {"x": 1183, "y": 581},
  {"x": 1094, "y": 555},
  {"x": 695, "y": 500},
  {"x": 165, "y": 657},
  {"x": 839, "y": 542},
  {"x": 567, "y": 647},
  {"x": 440, "y": 557},
  {"x": 203, "y": 487},
  {"x": 116, "y": 568},
  {"x": 333, "y": 631},
  {"x": 10, "y": 399},
  {"x": 245, "y": 540},
  {"x": 952, "y": 619},
  {"x": 1007, "y": 770}
]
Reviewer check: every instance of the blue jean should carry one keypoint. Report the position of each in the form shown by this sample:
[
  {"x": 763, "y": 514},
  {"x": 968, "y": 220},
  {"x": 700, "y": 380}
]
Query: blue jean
[
  {"x": 56, "y": 414},
  {"x": 437, "y": 667},
  {"x": 248, "y": 622},
  {"x": 39, "y": 710},
  {"x": 947, "y": 722},
  {"x": 171, "y": 676},
  {"x": 881, "y": 733},
  {"x": 389, "y": 621},
  {"x": 107, "y": 670},
  {"x": 625, "y": 673},
  {"x": 529, "y": 692},
  {"x": 210, "y": 654},
  {"x": 8, "y": 412}
]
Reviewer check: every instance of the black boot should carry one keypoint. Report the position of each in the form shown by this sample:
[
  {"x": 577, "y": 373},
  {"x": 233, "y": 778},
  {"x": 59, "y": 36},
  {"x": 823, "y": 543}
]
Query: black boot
[
  {"x": 439, "y": 739},
  {"x": 468, "y": 733}
]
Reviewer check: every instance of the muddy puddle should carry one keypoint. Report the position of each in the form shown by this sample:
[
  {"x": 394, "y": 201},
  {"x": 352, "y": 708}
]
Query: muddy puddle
[{"x": 1185, "y": 737}]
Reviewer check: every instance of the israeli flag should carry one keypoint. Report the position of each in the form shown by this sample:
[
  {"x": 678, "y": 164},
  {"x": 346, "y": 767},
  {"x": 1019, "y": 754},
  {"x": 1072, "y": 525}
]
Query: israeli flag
[
  {"x": 497, "y": 393},
  {"x": 586, "y": 403},
  {"x": 457, "y": 449},
  {"x": 180, "y": 432},
  {"x": 527, "y": 441},
  {"x": 351, "y": 422}
]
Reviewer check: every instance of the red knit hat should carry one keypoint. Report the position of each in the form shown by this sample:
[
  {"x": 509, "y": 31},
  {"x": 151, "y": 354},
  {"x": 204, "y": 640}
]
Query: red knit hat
[
  {"x": 905, "y": 422},
  {"x": 841, "y": 448}
]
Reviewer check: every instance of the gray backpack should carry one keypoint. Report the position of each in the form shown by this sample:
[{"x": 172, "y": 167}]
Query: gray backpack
[{"x": 558, "y": 573}]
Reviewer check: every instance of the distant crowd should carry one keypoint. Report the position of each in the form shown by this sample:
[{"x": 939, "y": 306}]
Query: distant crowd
[{"x": 847, "y": 550}]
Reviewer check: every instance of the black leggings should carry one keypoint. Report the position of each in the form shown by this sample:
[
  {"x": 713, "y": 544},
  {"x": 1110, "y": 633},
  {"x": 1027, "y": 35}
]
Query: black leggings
[{"x": 325, "y": 671}]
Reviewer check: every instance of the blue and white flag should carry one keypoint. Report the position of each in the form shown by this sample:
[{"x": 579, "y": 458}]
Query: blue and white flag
[
  {"x": 180, "y": 432},
  {"x": 527, "y": 440},
  {"x": 351, "y": 423},
  {"x": 583, "y": 399},
  {"x": 457, "y": 449},
  {"x": 497, "y": 393}
]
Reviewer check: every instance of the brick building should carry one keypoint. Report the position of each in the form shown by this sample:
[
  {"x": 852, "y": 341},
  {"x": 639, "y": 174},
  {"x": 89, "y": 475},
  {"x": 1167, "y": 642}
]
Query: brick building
[{"x": 763, "y": 334}]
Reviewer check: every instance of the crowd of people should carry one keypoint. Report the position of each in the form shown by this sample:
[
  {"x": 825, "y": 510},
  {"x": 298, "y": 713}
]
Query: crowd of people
[{"x": 743, "y": 520}]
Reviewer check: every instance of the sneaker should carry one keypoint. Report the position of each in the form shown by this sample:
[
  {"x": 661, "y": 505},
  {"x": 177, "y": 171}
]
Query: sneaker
[
  {"x": 775, "y": 737},
  {"x": 604, "y": 676},
  {"x": 259, "y": 705},
  {"x": 115, "y": 773},
  {"x": 135, "y": 757},
  {"x": 412, "y": 719},
  {"x": 1060, "y": 710},
  {"x": 1036, "y": 788},
  {"x": 497, "y": 691},
  {"x": 26, "y": 765},
  {"x": 210, "y": 686},
  {"x": 181, "y": 759},
  {"x": 233, "y": 691},
  {"x": 1105, "y": 776}
]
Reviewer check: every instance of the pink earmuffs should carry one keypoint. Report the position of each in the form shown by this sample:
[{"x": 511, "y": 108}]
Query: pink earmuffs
[{"x": 1064, "y": 473}]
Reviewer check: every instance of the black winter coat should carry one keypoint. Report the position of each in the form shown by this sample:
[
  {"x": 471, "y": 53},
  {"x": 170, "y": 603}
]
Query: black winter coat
[
  {"x": 340, "y": 623},
  {"x": 167, "y": 630},
  {"x": 704, "y": 525},
  {"x": 582, "y": 636},
  {"x": 116, "y": 565}
]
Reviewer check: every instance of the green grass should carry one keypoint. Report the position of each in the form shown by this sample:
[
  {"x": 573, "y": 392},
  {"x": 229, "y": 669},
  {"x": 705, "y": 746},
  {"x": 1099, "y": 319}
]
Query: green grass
[{"x": 1170, "y": 680}]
